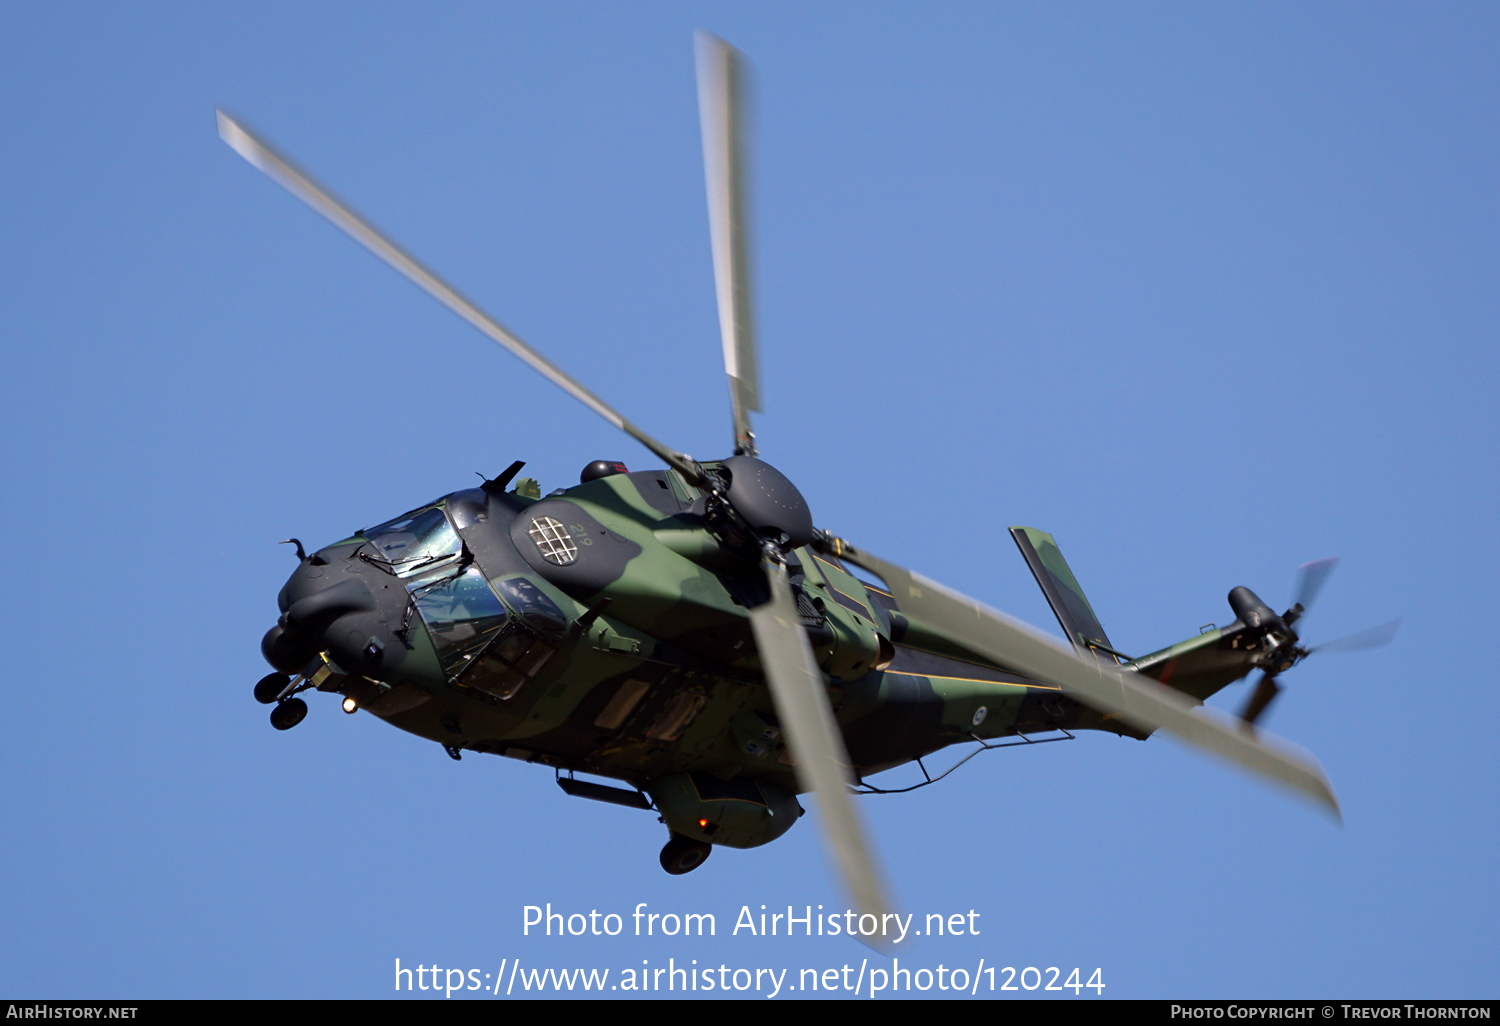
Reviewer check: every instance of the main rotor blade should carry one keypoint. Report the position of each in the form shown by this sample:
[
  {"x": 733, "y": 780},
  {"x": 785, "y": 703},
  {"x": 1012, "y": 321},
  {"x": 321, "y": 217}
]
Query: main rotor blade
[
  {"x": 817, "y": 747},
  {"x": 288, "y": 176},
  {"x": 721, "y": 111},
  {"x": 1137, "y": 700},
  {"x": 1372, "y": 637}
]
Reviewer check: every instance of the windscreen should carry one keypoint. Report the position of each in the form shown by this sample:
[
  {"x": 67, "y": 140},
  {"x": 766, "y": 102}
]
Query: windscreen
[{"x": 414, "y": 543}]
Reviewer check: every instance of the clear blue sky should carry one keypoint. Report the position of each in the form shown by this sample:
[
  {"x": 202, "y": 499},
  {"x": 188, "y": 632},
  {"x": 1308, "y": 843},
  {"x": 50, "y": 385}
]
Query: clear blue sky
[{"x": 1207, "y": 291}]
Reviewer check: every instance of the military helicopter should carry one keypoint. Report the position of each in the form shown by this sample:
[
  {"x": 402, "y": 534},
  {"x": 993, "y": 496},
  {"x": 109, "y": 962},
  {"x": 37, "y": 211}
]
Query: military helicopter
[{"x": 689, "y": 632}]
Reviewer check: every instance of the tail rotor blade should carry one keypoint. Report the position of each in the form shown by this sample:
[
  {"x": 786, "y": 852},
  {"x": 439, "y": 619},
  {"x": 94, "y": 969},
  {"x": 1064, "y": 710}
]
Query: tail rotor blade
[
  {"x": 288, "y": 176},
  {"x": 1373, "y": 637},
  {"x": 1137, "y": 700},
  {"x": 1311, "y": 579},
  {"x": 822, "y": 764},
  {"x": 721, "y": 77},
  {"x": 1266, "y": 690}
]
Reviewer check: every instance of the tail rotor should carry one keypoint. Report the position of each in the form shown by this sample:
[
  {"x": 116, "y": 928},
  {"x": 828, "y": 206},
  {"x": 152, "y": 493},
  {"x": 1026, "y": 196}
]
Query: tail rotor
[{"x": 1284, "y": 649}]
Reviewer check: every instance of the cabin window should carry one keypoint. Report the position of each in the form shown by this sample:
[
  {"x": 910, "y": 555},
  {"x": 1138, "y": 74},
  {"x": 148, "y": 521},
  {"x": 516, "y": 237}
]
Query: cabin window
[
  {"x": 676, "y": 715},
  {"x": 622, "y": 704}
]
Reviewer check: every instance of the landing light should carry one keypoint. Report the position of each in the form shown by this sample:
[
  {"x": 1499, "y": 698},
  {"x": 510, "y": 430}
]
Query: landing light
[{"x": 351, "y": 706}]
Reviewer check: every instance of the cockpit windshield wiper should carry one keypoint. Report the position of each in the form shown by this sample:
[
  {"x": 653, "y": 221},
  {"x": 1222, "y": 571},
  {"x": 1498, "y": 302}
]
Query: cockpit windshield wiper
[{"x": 405, "y": 567}]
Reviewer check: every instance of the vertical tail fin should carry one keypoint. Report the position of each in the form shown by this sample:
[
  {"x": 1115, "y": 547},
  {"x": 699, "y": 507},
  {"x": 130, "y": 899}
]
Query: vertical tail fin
[{"x": 1063, "y": 592}]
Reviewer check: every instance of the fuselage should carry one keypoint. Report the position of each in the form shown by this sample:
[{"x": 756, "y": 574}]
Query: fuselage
[{"x": 604, "y": 629}]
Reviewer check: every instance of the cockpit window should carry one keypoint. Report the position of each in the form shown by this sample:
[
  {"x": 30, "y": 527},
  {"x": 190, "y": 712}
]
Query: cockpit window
[
  {"x": 462, "y": 615},
  {"x": 414, "y": 543},
  {"x": 529, "y": 600},
  {"x": 480, "y": 642},
  {"x": 516, "y": 656}
]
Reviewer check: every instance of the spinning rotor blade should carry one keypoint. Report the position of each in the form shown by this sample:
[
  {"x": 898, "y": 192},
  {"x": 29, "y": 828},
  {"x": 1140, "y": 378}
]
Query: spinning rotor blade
[
  {"x": 1266, "y": 689},
  {"x": 1372, "y": 637},
  {"x": 285, "y": 174},
  {"x": 1137, "y": 700},
  {"x": 1312, "y": 577},
  {"x": 822, "y": 764},
  {"x": 720, "y": 110}
]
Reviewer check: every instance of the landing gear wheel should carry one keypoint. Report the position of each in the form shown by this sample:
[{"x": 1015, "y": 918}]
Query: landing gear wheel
[
  {"x": 683, "y": 855},
  {"x": 271, "y": 685},
  {"x": 290, "y": 713}
]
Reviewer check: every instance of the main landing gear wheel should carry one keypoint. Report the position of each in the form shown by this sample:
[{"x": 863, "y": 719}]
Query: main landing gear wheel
[
  {"x": 290, "y": 713},
  {"x": 269, "y": 686},
  {"x": 683, "y": 855}
]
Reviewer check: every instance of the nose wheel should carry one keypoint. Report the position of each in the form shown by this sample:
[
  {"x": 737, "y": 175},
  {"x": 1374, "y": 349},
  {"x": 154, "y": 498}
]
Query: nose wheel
[
  {"x": 288, "y": 714},
  {"x": 280, "y": 689},
  {"x": 683, "y": 855},
  {"x": 270, "y": 687}
]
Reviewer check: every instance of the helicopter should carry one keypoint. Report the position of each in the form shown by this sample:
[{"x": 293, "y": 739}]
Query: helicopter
[{"x": 688, "y": 631}]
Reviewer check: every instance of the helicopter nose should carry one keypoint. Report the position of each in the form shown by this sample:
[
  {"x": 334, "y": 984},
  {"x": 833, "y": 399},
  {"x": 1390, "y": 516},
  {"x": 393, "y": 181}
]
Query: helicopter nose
[
  {"x": 336, "y": 612},
  {"x": 321, "y": 608}
]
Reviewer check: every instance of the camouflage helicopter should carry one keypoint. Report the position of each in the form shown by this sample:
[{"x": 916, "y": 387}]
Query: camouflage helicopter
[{"x": 689, "y": 632}]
